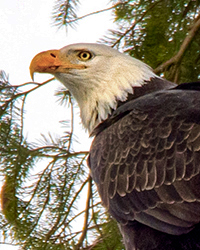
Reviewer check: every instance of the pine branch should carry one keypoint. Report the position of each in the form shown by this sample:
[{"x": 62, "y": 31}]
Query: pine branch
[
  {"x": 65, "y": 9},
  {"x": 17, "y": 95},
  {"x": 55, "y": 227},
  {"x": 61, "y": 152},
  {"x": 66, "y": 15},
  {"x": 175, "y": 60},
  {"x": 131, "y": 28}
]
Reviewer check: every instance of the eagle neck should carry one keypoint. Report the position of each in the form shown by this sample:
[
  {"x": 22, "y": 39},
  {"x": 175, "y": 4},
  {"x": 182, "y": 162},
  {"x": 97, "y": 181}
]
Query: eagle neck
[{"x": 153, "y": 85}]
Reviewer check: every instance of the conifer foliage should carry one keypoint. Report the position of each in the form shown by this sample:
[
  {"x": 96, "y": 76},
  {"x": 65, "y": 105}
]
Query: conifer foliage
[{"x": 41, "y": 208}]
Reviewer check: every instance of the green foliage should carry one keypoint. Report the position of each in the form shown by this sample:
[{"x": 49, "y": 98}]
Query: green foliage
[
  {"x": 110, "y": 237},
  {"x": 44, "y": 184},
  {"x": 155, "y": 31}
]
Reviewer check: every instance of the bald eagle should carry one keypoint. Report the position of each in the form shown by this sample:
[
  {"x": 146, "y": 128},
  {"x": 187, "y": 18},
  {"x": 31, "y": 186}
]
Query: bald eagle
[{"x": 145, "y": 156}]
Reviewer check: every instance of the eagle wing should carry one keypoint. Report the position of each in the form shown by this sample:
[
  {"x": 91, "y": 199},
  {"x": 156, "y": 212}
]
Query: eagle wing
[{"x": 146, "y": 162}]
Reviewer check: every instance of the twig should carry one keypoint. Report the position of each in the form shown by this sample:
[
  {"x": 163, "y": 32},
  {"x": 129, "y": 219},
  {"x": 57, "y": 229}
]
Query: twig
[
  {"x": 59, "y": 152},
  {"x": 35, "y": 83},
  {"x": 30, "y": 90},
  {"x": 9, "y": 244},
  {"x": 93, "y": 13},
  {"x": 72, "y": 123},
  {"x": 85, "y": 225},
  {"x": 22, "y": 119}
]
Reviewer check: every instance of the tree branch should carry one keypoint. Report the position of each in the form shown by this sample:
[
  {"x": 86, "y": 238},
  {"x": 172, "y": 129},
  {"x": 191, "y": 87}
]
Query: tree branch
[
  {"x": 93, "y": 13},
  {"x": 134, "y": 24},
  {"x": 183, "y": 48}
]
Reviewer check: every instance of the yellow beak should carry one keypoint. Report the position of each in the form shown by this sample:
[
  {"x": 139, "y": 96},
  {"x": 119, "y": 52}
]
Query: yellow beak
[{"x": 51, "y": 61}]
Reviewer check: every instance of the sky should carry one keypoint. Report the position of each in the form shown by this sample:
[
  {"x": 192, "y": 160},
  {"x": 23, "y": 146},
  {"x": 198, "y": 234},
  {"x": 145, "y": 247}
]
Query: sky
[{"x": 26, "y": 28}]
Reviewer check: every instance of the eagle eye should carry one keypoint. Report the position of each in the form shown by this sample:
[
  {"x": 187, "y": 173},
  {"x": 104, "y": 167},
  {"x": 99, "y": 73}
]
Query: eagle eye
[{"x": 85, "y": 55}]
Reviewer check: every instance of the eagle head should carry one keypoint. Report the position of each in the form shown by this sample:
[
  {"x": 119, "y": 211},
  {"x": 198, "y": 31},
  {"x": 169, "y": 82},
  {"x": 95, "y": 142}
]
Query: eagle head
[{"x": 97, "y": 75}]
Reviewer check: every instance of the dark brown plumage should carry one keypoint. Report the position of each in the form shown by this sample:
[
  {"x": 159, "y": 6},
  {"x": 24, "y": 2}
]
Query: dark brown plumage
[{"x": 147, "y": 163}]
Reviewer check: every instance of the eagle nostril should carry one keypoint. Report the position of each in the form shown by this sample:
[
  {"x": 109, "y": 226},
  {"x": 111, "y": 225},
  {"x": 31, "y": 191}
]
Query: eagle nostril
[{"x": 53, "y": 55}]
